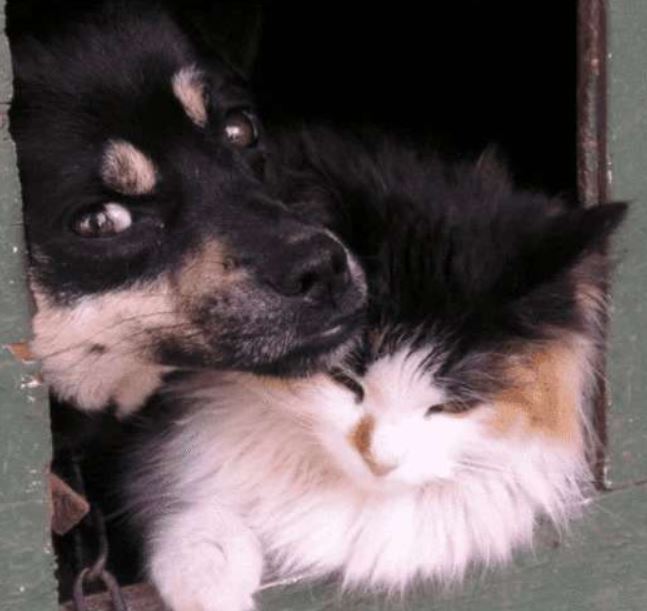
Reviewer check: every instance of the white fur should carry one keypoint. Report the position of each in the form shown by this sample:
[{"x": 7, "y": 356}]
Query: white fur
[
  {"x": 121, "y": 322},
  {"x": 269, "y": 465},
  {"x": 215, "y": 543}
]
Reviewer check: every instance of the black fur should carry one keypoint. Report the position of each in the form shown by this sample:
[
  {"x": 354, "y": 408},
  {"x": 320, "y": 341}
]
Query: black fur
[{"x": 458, "y": 261}]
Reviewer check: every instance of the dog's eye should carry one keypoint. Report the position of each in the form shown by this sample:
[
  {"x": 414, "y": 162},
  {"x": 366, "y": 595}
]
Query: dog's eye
[
  {"x": 240, "y": 129},
  {"x": 102, "y": 221}
]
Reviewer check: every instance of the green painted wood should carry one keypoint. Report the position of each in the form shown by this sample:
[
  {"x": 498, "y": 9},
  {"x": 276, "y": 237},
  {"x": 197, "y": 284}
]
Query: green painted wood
[
  {"x": 628, "y": 149},
  {"x": 26, "y": 563}
]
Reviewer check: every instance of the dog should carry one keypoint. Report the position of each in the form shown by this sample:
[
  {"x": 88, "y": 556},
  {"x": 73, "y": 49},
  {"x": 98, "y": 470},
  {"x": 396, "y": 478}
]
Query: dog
[{"x": 153, "y": 242}]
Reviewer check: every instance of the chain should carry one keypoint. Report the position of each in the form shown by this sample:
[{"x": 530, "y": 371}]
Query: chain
[{"x": 97, "y": 572}]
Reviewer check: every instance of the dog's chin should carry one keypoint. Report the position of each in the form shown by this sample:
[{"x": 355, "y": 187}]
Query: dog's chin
[
  {"x": 316, "y": 354},
  {"x": 291, "y": 353}
]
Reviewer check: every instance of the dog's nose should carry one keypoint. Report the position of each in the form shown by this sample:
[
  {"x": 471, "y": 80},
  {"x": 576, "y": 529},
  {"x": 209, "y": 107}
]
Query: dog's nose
[{"x": 317, "y": 271}]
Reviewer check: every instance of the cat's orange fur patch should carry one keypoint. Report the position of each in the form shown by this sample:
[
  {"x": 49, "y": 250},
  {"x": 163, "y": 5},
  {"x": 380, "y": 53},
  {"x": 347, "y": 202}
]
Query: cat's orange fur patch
[{"x": 545, "y": 394}]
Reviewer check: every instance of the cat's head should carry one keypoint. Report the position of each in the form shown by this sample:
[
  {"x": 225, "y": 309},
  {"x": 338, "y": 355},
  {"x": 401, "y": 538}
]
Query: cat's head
[{"x": 486, "y": 312}]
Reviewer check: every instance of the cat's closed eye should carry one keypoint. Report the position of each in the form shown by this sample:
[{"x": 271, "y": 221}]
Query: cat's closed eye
[
  {"x": 435, "y": 409},
  {"x": 349, "y": 383},
  {"x": 450, "y": 407}
]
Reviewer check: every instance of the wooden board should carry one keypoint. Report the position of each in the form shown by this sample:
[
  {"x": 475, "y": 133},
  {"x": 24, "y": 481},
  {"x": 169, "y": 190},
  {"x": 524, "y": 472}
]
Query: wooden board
[
  {"x": 628, "y": 173},
  {"x": 26, "y": 563}
]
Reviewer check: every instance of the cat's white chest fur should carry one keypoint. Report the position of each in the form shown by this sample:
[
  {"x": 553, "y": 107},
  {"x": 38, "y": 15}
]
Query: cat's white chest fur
[{"x": 284, "y": 479}]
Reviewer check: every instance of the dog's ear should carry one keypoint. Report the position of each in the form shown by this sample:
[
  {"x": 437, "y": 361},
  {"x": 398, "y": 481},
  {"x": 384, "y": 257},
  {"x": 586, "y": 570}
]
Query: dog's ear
[
  {"x": 228, "y": 29},
  {"x": 42, "y": 17}
]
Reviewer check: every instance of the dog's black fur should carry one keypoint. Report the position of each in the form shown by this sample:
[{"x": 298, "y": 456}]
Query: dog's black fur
[{"x": 209, "y": 270}]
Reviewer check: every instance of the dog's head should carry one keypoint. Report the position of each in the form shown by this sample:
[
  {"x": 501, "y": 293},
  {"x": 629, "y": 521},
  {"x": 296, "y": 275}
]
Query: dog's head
[{"x": 153, "y": 242}]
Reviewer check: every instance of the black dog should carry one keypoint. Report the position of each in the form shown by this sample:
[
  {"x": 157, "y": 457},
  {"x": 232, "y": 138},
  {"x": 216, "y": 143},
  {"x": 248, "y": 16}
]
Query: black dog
[{"x": 153, "y": 242}]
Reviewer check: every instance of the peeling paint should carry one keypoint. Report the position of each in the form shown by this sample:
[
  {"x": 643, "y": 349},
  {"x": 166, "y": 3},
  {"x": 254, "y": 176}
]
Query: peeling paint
[
  {"x": 31, "y": 382},
  {"x": 21, "y": 351}
]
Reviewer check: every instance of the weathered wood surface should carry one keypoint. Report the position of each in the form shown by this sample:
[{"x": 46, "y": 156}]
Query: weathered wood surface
[
  {"x": 628, "y": 173},
  {"x": 26, "y": 564}
]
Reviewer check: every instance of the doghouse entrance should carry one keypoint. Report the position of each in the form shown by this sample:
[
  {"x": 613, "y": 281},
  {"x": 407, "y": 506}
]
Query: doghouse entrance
[{"x": 462, "y": 75}]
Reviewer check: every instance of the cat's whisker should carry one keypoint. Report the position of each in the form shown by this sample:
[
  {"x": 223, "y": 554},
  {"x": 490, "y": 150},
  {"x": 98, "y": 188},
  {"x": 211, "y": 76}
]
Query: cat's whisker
[{"x": 484, "y": 466}]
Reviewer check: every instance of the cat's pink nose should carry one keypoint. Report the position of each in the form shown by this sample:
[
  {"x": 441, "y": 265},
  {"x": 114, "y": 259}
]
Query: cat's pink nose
[{"x": 361, "y": 438}]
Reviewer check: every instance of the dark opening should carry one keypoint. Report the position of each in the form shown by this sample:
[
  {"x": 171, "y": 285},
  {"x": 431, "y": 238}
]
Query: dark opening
[{"x": 463, "y": 74}]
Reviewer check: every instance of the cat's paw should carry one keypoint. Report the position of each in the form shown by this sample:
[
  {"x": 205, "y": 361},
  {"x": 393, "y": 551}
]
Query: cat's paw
[{"x": 209, "y": 577}]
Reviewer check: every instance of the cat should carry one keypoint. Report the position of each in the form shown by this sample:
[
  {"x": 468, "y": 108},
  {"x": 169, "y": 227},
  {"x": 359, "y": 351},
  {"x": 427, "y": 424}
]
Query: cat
[{"x": 458, "y": 421}]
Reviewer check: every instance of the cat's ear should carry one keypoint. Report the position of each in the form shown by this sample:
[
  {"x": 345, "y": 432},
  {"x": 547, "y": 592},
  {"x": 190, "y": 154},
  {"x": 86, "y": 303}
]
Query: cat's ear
[
  {"x": 564, "y": 240},
  {"x": 228, "y": 29}
]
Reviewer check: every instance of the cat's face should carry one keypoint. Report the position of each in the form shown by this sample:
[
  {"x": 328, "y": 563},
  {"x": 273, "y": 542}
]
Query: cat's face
[
  {"x": 412, "y": 427},
  {"x": 485, "y": 305},
  {"x": 396, "y": 436}
]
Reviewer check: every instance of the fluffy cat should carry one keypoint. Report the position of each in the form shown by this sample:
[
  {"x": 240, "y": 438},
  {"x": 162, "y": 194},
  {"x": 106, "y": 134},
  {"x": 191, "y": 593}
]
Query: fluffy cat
[{"x": 460, "y": 419}]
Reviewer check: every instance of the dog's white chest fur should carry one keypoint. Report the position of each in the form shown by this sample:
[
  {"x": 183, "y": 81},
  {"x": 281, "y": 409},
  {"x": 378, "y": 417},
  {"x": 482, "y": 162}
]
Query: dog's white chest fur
[{"x": 279, "y": 478}]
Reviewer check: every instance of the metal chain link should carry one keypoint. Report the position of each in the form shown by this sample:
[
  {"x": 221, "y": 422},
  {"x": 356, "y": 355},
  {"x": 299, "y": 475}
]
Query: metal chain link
[{"x": 97, "y": 572}]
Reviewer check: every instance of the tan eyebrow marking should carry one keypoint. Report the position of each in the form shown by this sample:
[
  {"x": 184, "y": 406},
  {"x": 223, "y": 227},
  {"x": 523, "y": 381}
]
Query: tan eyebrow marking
[
  {"x": 189, "y": 88},
  {"x": 210, "y": 267},
  {"x": 127, "y": 170}
]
